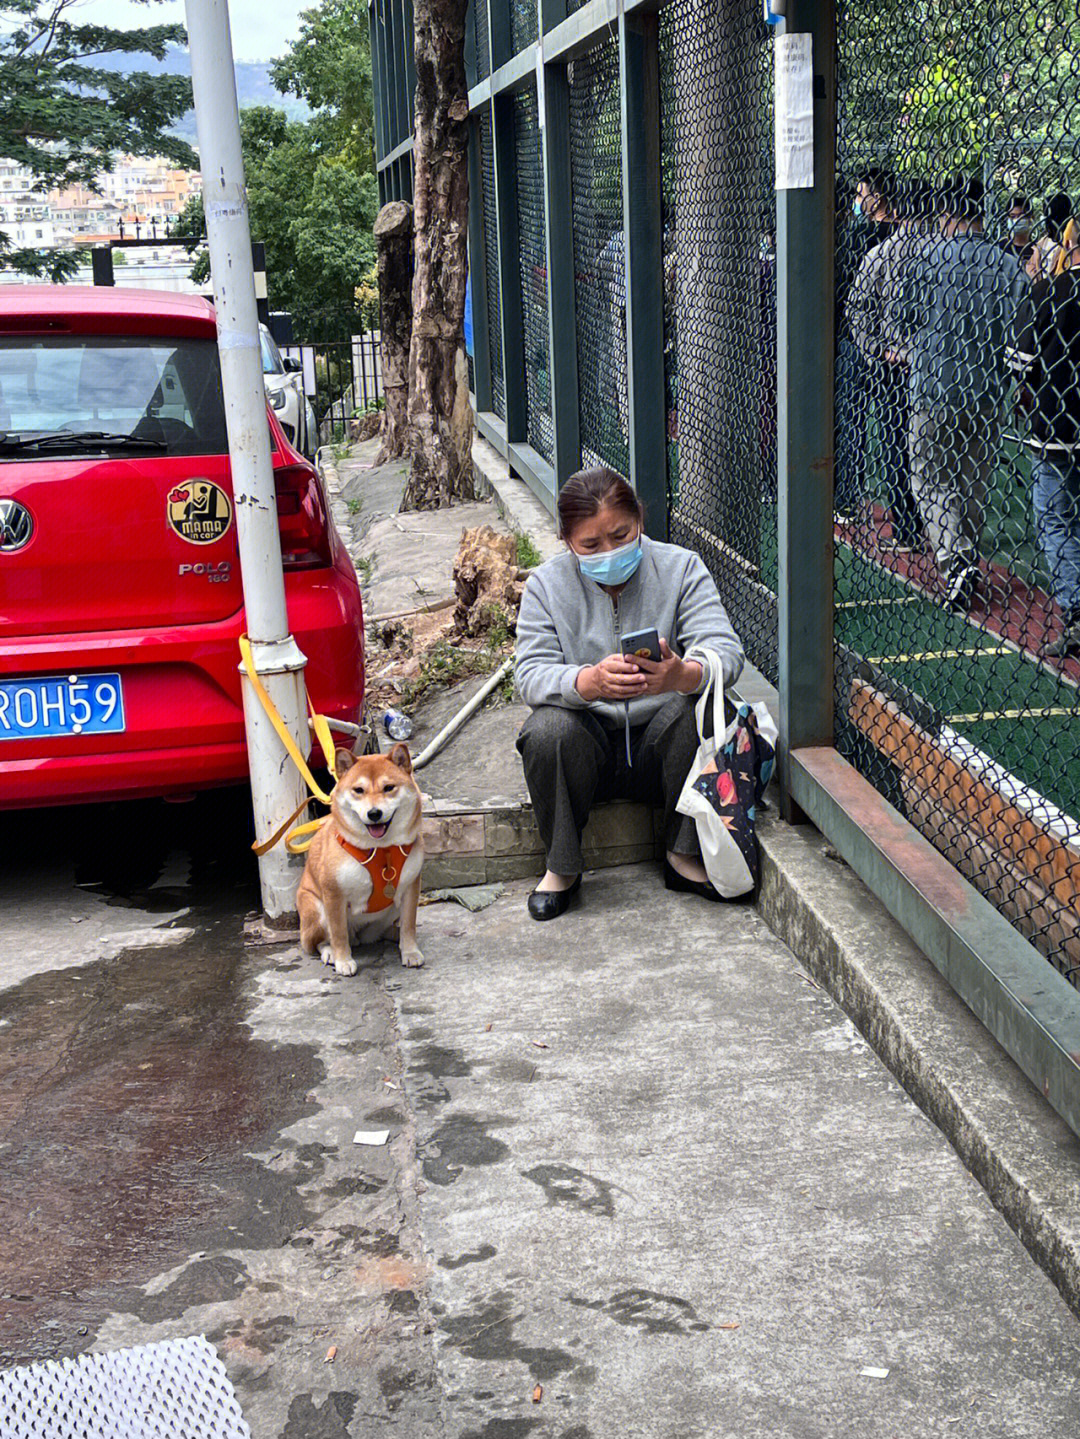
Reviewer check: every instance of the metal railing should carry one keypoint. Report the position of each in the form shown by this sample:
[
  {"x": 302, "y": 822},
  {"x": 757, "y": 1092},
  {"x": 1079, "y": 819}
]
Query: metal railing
[{"x": 342, "y": 379}]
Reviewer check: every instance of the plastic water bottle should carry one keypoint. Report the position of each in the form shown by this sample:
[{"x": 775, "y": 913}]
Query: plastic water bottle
[{"x": 397, "y": 725}]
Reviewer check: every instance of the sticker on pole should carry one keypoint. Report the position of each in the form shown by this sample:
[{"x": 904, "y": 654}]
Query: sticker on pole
[
  {"x": 199, "y": 511},
  {"x": 794, "y": 76}
]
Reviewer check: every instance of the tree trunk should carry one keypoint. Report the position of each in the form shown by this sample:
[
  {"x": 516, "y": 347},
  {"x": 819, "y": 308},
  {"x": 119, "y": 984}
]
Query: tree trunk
[
  {"x": 394, "y": 243},
  {"x": 440, "y": 417}
]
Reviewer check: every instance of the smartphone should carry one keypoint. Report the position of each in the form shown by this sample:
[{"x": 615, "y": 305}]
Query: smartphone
[{"x": 642, "y": 644}]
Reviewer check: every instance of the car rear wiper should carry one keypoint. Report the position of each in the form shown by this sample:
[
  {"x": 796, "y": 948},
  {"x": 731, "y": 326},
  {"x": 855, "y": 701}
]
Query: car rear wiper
[{"x": 77, "y": 439}]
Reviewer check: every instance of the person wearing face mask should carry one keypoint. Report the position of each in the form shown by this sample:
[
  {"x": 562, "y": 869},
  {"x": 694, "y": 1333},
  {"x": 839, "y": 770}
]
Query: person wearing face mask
[
  {"x": 1019, "y": 225},
  {"x": 604, "y": 726}
]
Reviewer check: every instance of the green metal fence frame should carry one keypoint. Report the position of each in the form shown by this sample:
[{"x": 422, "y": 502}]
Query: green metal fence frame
[{"x": 1032, "y": 1011}]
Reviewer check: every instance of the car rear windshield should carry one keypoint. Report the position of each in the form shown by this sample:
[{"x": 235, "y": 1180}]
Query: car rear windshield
[{"x": 161, "y": 391}]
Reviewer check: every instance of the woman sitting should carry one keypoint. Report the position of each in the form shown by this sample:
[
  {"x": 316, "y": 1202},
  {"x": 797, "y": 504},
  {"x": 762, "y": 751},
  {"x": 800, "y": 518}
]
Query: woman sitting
[{"x": 605, "y": 726}]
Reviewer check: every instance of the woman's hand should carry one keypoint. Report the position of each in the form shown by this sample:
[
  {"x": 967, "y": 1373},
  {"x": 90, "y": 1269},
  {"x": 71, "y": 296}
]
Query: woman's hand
[
  {"x": 614, "y": 678},
  {"x": 670, "y": 674}
]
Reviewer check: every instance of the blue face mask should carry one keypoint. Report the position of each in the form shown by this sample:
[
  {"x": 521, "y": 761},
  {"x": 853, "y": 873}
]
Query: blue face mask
[{"x": 613, "y": 567}]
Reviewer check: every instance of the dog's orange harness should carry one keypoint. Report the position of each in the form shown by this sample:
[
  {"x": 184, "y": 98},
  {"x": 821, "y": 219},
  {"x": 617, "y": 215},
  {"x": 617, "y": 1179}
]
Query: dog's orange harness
[{"x": 384, "y": 866}]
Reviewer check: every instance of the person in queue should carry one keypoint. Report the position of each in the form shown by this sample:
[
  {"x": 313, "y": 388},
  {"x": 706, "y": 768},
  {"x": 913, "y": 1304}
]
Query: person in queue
[
  {"x": 605, "y": 725},
  {"x": 1048, "y": 356},
  {"x": 1019, "y": 227},
  {"x": 954, "y": 309},
  {"x": 1057, "y": 212}
]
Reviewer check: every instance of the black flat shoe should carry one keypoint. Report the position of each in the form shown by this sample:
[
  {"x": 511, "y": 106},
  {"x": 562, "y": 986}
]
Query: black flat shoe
[
  {"x": 679, "y": 882},
  {"x": 549, "y": 904}
]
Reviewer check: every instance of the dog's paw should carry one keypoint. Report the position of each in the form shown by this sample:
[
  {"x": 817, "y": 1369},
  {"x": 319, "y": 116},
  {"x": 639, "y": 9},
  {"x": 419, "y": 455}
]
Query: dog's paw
[
  {"x": 411, "y": 957},
  {"x": 346, "y": 966},
  {"x": 326, "y": 954}
]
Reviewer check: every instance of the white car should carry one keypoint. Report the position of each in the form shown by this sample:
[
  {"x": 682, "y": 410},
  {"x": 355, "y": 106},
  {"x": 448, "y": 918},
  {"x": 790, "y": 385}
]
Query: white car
[{"x": 285, "y": 391}]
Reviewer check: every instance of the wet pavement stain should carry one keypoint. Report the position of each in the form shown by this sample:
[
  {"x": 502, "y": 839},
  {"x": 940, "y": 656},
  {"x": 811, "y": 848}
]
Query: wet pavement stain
[
  {"x": 475, "y": 1256},
  {"x": 462, "y": 1142},
  {"x": 645, "y": 1309},
  {"x": 130, "y": 1090},
  {"x": 503, "y": 1429},
  {"x": 565, "y": 1185},
  {"x": 329, "y": 1421},
  {"x": 257, "y": 1339},
  {"x": 394, "y": 1383},
  {"x": 442, "y": 1062},
  {"x": 488, "y": 1333}
]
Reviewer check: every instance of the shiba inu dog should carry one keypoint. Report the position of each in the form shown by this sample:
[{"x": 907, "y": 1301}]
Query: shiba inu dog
[{"x": 363, "y": 868}]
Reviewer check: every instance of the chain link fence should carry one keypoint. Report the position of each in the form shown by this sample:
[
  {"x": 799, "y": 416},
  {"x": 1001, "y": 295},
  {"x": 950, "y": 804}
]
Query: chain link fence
[
  {"x": 596, "y": 176},
  {"x": 720, "y": 303},
  {"x": 481, "y": 40},
  {"x": 958, "y": 439},
  {"x": 957, "y": 385},
  {"x": 523, "y": 23},
  {"x": 491, "y": 257},
  {"x": 532, "y": 237}
]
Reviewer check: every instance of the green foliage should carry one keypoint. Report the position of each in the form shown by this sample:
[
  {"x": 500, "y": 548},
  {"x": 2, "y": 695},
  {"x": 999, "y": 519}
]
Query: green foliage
[
  {"x": 528, "y": 556},
  {"x": 191, "y": 225},
  {"x": 328, "y": 65},
  {"x": 445, "y": 665},
  {"x": 66, "y": 118},
  {"x": 367, "y": 297},
  {"x": 932, "y": 90},
  {"x": 311, "y": 184}
]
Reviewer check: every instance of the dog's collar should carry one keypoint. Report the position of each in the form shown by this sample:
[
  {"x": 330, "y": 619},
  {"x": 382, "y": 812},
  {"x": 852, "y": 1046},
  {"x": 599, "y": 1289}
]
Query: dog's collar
[{"x": 384, "y": 864}]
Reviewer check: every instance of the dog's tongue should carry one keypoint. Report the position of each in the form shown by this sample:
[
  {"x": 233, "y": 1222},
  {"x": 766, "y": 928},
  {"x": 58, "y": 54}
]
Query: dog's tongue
[{"x": 377, "y": 830}]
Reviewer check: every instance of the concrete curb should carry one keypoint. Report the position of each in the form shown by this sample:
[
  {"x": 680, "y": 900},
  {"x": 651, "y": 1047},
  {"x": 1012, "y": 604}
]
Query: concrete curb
[
  {"x": 328, "y": 470},
  {"x": 1020, "y": 1151},
  {"x": 517, "y": 504},
  {"x": 465, "y": 844}
]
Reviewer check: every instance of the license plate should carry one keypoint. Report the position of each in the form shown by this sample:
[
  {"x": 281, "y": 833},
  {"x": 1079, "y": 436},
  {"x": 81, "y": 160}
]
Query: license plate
[{"x": 61, "y": 705}]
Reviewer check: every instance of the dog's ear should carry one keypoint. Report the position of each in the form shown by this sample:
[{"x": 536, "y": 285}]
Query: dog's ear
[
  {"x": 400, "y": 756},
  {"x": 343, "y": 763}
]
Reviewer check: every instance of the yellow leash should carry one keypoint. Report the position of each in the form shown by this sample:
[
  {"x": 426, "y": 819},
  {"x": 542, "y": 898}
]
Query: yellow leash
[{"x": 299, "y": 839}]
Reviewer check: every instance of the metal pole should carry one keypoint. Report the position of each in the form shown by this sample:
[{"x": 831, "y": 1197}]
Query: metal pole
[
  {"x": 643, "y": 280},
  {"x": 276, "y": 788},
  {"x": 558, "y": 239},
  {"x": 805, "y": 341}
]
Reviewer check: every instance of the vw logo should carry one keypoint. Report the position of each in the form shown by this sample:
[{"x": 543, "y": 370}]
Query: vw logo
[{"x": 16, "y": 525}]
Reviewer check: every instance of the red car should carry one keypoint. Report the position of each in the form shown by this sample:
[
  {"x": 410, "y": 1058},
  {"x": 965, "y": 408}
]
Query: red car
[{"x": 120, "y": 596}]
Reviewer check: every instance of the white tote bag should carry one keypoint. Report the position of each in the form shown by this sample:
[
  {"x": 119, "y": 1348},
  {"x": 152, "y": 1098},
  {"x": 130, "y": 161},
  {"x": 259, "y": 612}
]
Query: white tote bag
[{"x": 725, "y": 864}]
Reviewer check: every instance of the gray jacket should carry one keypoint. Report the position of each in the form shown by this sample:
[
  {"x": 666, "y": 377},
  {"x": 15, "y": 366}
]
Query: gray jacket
[
  {"x": 872, "y": 300},
  {"x": 955, "y": 304},
  {"x": 568, "y": 622}
]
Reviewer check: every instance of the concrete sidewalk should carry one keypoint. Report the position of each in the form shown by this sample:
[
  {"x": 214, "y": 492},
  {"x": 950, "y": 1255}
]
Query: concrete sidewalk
[
  {"x": 669, "y": 1183},
  {"x": 636, "y": 1158}
]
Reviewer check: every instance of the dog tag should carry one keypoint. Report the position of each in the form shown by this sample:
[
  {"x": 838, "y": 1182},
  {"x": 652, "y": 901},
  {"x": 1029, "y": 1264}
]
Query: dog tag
[{"x": 389, "y": 891}]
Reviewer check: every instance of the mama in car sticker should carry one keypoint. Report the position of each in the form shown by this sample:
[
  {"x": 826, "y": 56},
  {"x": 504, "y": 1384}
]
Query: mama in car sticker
[{"x": 199, "y": 511}]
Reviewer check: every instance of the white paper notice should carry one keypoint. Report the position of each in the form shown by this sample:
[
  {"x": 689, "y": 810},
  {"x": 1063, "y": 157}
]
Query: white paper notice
[{"x": 794, "y": 112}]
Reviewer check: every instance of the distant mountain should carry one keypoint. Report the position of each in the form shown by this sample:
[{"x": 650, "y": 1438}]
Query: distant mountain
[{"x": 253, "y": 83}]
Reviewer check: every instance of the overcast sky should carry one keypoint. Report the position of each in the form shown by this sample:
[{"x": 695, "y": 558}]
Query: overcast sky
[{"x": 261, "y": 29}]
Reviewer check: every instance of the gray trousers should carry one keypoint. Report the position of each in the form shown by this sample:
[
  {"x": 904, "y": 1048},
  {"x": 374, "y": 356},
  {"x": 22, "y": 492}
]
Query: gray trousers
[
  {"x": 571, "y": 761},
  {"x": 952, "y": 461}
]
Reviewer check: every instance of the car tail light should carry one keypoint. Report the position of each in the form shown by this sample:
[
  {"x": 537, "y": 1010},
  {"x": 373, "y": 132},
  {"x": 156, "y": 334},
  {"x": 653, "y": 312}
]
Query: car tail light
[{"x": 305, "y": 530}]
